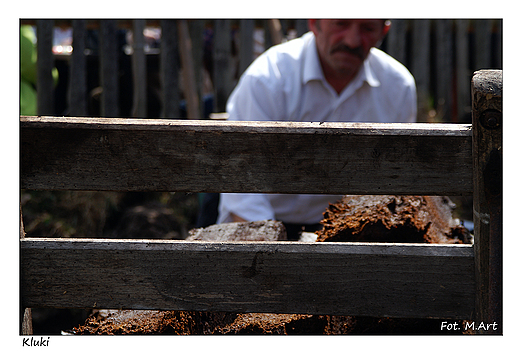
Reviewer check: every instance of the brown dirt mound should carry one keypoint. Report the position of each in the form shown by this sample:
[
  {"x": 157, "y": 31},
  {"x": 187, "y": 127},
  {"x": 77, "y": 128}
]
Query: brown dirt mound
[{"x": 401, "y": 219}]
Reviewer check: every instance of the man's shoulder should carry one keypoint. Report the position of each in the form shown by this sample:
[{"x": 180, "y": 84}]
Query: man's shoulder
[
  {"x": 388, "y": 67},
  {"x": 285, "y": 56}
]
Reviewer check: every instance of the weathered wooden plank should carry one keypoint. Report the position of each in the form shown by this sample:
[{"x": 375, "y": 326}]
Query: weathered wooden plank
[
  {"x": 26, "y": 327},
  {"x": 401, "y": 280},
  {"x": 270, "y": 157},
  {"x": 487, "y": 197}
]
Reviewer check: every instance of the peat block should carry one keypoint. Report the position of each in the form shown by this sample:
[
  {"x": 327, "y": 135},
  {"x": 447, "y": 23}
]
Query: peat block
[{"x": 392, "y": 219}]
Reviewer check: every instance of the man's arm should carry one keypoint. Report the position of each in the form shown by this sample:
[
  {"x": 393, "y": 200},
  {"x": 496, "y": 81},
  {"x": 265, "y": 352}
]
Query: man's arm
[
  {"x": 257, "y": 97},
  {"x": 237, "y": 207},
  {"x": 235, "y": 218}
]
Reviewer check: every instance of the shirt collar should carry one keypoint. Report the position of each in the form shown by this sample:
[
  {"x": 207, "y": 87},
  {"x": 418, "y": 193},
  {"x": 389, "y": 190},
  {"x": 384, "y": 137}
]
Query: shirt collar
[{"x": 312, "y": 68}]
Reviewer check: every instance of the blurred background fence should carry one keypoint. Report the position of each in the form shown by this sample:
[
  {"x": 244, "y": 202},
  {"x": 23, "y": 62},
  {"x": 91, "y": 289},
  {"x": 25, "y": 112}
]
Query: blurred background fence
[{"x": 187, "y": 68}]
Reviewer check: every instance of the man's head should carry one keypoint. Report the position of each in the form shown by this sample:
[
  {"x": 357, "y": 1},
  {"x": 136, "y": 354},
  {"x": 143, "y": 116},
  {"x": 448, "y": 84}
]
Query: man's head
[{"x": 343, "y": 45}]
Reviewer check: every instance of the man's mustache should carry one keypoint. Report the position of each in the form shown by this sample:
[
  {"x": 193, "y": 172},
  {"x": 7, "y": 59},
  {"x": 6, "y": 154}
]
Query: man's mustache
[{"x": 344, "y": 48}]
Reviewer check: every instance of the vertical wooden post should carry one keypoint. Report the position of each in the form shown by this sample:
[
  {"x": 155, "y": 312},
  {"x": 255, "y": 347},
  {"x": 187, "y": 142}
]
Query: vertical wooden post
[
  {"x": 139, "y": 106},
  {"x": 487, "y": 196},
  {"x": 420, "y": 64},
  {"x": 45, "y": 64},
  {"x": 246, "y": 44},
  {"x": 77, "y": 92},
  {"x": 109, "y": 68},
  {"x": 497, "y": 63},
  {"x": 396, "y": 40},
  {"x": 462, "y": 69},
  {"x": 483, "y": 49},
  {"x": 188, "y": 72},
  {"x": 222, "y": 65},
  {"x": 301, "y": 27},
  {"x": 443, "y": 69},
  {"x": 268, "y": 43},
  {"x": 196, "y": 31},
  {"x": 26, "y": 313},
  {"x": 275, "y": 30},
  {"x": 169, "y": 69}
]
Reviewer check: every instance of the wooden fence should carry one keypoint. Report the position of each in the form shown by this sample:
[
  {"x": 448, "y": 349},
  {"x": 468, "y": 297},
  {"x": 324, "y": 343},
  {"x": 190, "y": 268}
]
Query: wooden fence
[
  {"x": 372, "y": 279},
  {"x": 441, "y": 54}
]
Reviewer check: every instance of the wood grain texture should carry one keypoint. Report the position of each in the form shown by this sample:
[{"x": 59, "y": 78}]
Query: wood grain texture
[
  {"x": 488, "y": 194},
  {"x": 268, "y": 157},
  {"x": 401, "y": 280}
]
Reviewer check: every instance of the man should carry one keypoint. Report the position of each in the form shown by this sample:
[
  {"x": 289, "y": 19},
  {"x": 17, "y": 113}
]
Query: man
[{"x": 332, "y": 73}]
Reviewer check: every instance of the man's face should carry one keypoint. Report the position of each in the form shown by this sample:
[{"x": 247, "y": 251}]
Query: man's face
[{"x": 343, "y": 45}]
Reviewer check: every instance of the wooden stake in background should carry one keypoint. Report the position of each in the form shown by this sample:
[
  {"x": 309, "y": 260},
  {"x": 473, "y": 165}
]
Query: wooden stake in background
[
  {"x": 139, "y": 108},
  {"x": 188, "y": 72}
]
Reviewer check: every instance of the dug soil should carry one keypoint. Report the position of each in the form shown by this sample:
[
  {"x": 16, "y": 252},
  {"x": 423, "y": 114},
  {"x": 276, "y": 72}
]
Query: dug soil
[
  {"x": 395, "y": 219},
  {"x": 131, "y": 322}
]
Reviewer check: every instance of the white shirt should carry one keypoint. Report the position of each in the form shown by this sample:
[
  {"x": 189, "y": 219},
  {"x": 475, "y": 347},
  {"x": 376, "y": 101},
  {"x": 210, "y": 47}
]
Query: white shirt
[{"x": 286, "y": 83}]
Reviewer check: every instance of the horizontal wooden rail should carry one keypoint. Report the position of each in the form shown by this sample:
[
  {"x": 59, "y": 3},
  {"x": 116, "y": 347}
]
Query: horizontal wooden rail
[
  {"x": 268, "y": 157},
  {"x": 403, "y": 280}
]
